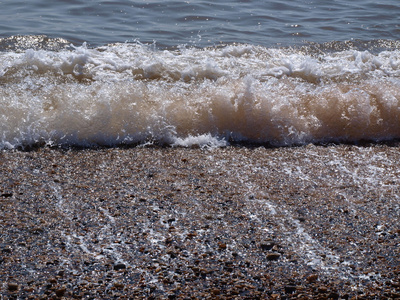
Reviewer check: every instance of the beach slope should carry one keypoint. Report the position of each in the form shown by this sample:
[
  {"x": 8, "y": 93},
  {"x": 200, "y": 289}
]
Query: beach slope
[{"x": 228, "y": 223}]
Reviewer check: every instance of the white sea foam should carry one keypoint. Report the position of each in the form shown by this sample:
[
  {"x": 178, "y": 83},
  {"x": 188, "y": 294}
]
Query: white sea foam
[{"x": 131, "y": 93}]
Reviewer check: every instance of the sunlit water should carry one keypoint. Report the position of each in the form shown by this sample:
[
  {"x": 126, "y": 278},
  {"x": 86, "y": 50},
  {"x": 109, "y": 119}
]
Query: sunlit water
[{"x": 203, "y": 23}]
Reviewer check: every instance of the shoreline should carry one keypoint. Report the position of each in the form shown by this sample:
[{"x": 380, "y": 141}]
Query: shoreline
[{"x": 235, "y": 222}]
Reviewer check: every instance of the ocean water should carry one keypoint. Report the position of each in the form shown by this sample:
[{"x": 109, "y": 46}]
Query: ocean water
[{"x": 183, "y": 73}]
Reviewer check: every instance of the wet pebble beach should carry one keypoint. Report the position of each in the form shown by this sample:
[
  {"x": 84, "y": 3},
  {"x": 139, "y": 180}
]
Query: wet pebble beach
[{"x": 310, "y": 222}]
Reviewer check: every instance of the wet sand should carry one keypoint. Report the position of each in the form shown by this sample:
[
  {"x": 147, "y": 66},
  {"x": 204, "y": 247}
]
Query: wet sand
[{"x": 229, "y": 223}]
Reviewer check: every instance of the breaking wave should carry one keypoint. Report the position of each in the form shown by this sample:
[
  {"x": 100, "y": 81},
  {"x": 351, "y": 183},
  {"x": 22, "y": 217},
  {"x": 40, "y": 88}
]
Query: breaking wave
[{"x": 128, "y": 94}]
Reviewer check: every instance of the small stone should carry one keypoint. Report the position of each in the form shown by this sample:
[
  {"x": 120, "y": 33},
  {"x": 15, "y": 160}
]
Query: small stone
[
  {"x": 60, "y": 292},
  {"x": 267, "y": 245},
  {"x": 334, "y": 295},
  {"x": 222, "y": 246},
  {"x": 273, "y": 256},
  {"x": 395, "y": 295},
  {"x": 192, "y": 234},
  {"x": 289, "y": 289},
  {"x": 12, "y": 287},
  {"x": 118, "y": 285},
  {"x": 275, "y": 248},
  {"x": 322, "y": 289},
  {"x": 37, "y": 230},
  {"x": 312, "y": 278},
  {"x": 6, "y": 250},
  {"x": 53, "y": 280},
  {"x": 172, "y": 254},
  {"x": 119, "y": 266}
]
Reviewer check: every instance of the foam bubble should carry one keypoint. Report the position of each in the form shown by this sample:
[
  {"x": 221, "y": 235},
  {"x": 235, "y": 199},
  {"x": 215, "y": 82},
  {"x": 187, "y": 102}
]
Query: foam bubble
[
  {"x": 203, "y": 140},
  {"x": 131, "y": 93}
]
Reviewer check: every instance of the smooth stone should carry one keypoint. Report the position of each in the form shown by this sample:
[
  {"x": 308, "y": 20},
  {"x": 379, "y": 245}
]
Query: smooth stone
[
  {"x": 273, "y": 256},
  {"x": 60, "y": 292},
  {"x": 267, "y": 245},
  {"x": 13, "y": 287},
  {"x": 119, "y": 266}
]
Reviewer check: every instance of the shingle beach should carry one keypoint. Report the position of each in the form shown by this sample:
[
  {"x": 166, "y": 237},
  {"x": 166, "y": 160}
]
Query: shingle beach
[{"x": 316, "y": 222}]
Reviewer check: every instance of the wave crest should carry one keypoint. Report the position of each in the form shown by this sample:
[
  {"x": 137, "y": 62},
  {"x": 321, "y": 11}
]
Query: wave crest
[{"x": 133, "y": 93}]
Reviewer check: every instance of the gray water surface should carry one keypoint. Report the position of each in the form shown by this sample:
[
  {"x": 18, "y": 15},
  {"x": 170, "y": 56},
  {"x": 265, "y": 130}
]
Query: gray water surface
[{"x": 202, "y": 23}]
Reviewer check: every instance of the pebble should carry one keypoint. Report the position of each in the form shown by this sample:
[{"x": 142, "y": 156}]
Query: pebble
[
  {"x": 60, "y": 292},
  {"x": 6, "y": 250},
  {"x": 312, "y": 278},
  {"x": 12, "y": 287},
  {"x": 222, "y": 246},
  {"x": 334, "y": 295},
  {"x": 118, "y": 285},
  {"x": 267, "y": 245},
  {"x": 215, "y": 291},
  {"x": 322, "y": 289},
  {"x": 289, "y": 289},
  {"x": 119, "y": 266},
  {"x": 273, "y": 256}
]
